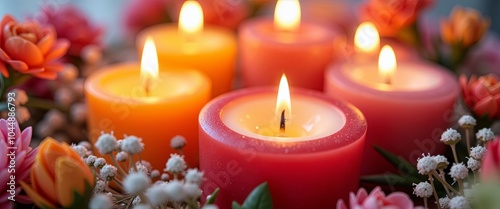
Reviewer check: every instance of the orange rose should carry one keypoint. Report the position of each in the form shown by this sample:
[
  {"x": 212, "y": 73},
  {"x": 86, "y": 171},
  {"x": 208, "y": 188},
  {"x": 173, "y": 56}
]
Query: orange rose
[
  {"x": 390, "y": 16},
  {"x": 465, "y": 26},
  {"x": 58, "y": 176},
  {"x": 482, "y": 94},
  {"x": 30, "y": 48}
]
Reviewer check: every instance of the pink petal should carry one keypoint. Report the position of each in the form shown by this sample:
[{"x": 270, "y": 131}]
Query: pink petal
[
  {"x": 486, "y": 106},
  {"x": 491, "y": 162},
  {"x": 401, "y": 200},
  {"x": 371, "y": 203},
  {"x": 58, "y": 50},
  {"x": 21, "y": 49},
  {"x": 341, "y": 205},
  {"x": 26, "y": 138}
]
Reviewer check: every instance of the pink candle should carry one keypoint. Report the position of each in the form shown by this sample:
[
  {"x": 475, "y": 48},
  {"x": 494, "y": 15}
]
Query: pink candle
[
  {"x": 406, "y": 116},
  {"x": 268, "y": 50},
  {"x": 315, "y": 164}
]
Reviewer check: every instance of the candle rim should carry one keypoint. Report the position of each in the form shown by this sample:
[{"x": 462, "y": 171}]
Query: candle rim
[
  {"x": 249, "y": 27},
  {"x": 335, "y": 73},
  {"x": 355, "y": 125},
  {"x": 92, "y": 82}
]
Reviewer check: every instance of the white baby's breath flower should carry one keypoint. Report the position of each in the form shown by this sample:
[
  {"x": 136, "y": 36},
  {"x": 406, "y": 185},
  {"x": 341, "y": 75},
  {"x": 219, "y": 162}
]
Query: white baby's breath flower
[
  {"x": 441, "y": 161},
  {"x": 137, "y": 200},
  {"x": 175, "y": 191},
  {"x": 108, "y": 172},
  {"x": 178, "y": 142},
  {"x": 164, "y": 177},
  {"x": 175, "y": 164},
  {"x": 423, "y": 189},
  {"x": 136, "y": 183},
  {"x": 194, "y": 176},
  {"x": 426, "y": 164},
  {"x": 192, "y": 191},
  {"x": 99, "y": 163},
  {"x": 155, "y": 174},
  {"x": 157, "y": 194},
  {"x": 121, "y": 156},
  {"x": 119, "y": 145},
  {"x": 467, "y": 121},
  {"x": 99, "y": 187},
  {"x": 450, "y": 136},
  {"x": 146, "y": 165},
  {"x": 141, "y": 168},
  {"x": 86, "y": 144},
  {"x": 459, "y": 202},
  {"x": 473, "y": 164},
  {"x": 101, "y": 201},
  {"x": 81, "y": 150},
  {"x": 459, "y": 171},
  {"x": 485, "y": 135},
  {"x": 210, "y": 207},
  {"x": 106, "y": 143},
  {"x": 132, "y": 145},
  {"x": 477, "y": 152},
  {"x": 444, "y": 202},
  {"x": 90, "y": 160}
]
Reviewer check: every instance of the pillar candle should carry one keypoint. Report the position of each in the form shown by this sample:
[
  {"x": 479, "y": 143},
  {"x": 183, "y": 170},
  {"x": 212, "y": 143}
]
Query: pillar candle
[
  {"x": 267, "y": 51},
  {"x": 117, "y": 102},
  {"x": 314, "y": 164},
  {"x": 209, "y": 49},
  {"x": 405, "y": 116}
]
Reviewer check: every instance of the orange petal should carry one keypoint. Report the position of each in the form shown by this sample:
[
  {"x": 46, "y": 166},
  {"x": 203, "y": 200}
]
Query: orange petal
[
  {"x": 3, "y": 70},
  {"x": 4, "y": 56},
  {"x": 70, "y": 178},
  {"x": 38, "y": 199},
  {"x": 6, "y": 19},
  {"x": 20, "y": 49},
  {"x": 49, "y": 151},
  {"x": 59, "y": 50},
  {"x": 486, "y": 106},
  {"x": 43, "y": 182},
  {"x": 18, "y": 65},
  {"x": 47, "y": 75},
  {"x": 45, "y": 44}
]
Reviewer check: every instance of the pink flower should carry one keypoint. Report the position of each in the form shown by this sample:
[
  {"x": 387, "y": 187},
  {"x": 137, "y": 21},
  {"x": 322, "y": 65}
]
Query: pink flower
[
  {"x": 24, "y": 157},
  {"x": 139, "y": 14},
  {"x": 377, "y": 200},
  {"x": 490, "y": 167},
  {"x": 483, "y": 59},
  {"x": 71, "y": 24},
  {"x": 390, "y": 16},
  {"x": 482, "y": 95},
  {"x": 30, "y": 48},
  {"x": 226, "y": 13}
]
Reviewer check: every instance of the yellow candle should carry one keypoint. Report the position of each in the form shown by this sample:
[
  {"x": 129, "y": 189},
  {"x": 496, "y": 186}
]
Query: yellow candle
[
  {"x": 210, "y": 49},
  {"x": 152, "y": 105}
]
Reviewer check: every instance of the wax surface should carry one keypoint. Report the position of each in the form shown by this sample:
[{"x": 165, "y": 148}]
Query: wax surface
[
  {"x": 265, "y": 54},
  {"x": 317, "y": 172},
  {"x": 213, "y": 52},
  {"x": 408, "y": 118},
  {"x": 117, "y": 102}
]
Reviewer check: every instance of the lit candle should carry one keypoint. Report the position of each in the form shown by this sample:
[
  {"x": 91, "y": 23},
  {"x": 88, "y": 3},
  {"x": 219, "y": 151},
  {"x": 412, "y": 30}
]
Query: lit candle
[
  {"x": 288, "y": 45},
  {"x": 190, "y": 44},
  {"x": 307, "y": 146},
  {"x": 406, "y": 104},
  {"x": 152, "y": 105}
]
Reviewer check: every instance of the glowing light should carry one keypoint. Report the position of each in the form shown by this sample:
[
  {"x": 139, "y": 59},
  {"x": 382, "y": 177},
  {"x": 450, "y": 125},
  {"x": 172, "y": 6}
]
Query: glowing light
[
  {"x": 149, "y": 65},
  {"x": 387, "y": 63},
  {"x": 287, "y": 15},
  {"x": 367, "y": 39},
  {"x": 191, "y": 19},
  {"x": 283, "y": 102}
]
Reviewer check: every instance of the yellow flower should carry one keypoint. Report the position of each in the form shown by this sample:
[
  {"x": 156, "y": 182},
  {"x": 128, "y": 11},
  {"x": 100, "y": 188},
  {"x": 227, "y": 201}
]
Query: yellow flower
[
  {"x": 465, "y": 26},
  {"x": 58, "y": 176}
]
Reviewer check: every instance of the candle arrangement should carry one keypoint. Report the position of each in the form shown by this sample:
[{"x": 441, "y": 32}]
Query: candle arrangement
[{"x": 227, "y": 110}]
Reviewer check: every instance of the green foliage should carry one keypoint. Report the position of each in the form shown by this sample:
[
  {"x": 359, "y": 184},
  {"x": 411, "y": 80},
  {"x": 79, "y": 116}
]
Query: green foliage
[
  {"x": 259, "y": 198},
  {"x": 213, "y": 197},
  {"x": 81, "y": 201}
]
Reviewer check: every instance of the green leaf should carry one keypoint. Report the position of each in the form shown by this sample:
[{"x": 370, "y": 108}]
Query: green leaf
[
  {"x": 259, "y": 198},
  {"x": 397, "y": 161},
  {"x": 392, "y": 179},
  {"x": 236, "y": 205},
  {"x": 212, "y": 197}
]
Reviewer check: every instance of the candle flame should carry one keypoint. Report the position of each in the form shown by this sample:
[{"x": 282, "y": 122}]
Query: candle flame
[
  {"x": 387, "y": 63},
  {"x": 191, "y": 19},
  {"x": 283, "y": 102},
  {"x": 367, "y": 39},
  {"x": 287, "y": 15},
  {"x": 149, "y": 65}
]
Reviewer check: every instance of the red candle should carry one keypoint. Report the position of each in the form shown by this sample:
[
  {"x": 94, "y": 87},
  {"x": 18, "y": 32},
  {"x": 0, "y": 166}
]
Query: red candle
[
  {"x": 407, "y": 108},
  {"x": 311, "y": 164},
  {"x": 270, "y": 48}
]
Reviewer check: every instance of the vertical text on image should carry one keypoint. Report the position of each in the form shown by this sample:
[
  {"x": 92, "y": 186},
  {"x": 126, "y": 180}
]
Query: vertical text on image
[{"x": 11, "y": 141}]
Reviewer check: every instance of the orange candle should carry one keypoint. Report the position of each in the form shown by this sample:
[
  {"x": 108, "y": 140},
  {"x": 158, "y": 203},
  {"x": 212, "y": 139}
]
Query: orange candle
[
  {"x": 211, "y": 50},
  {"x": 152, "y": 105}
]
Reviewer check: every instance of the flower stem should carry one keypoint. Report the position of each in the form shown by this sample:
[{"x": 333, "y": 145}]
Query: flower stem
[
  {"x": 425, "y": 203},
  {"x": 120, "y": 169},
  {"x": 461, "y": 186},
  {"x": 434, "y": 190},
  {"x": 453, "y": 149},
  {"x": 445, "y": 184},
  {"x": 467, "y": 139},
  {"x": 442, "y": 174}
]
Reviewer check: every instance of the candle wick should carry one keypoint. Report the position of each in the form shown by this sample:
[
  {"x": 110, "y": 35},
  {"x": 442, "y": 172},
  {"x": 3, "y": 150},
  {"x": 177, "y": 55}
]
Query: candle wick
[
  {"x": 388, "y": 80},
  {"x": 147, "y": 86},
  {"x": 282, "y": 124}
]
